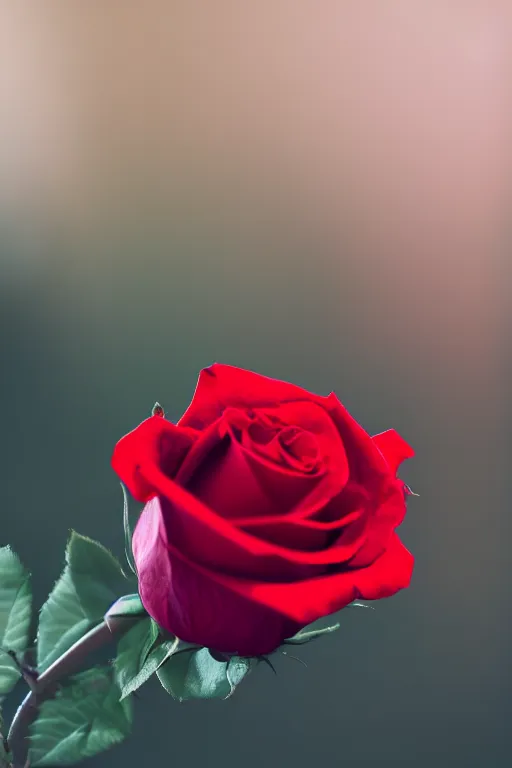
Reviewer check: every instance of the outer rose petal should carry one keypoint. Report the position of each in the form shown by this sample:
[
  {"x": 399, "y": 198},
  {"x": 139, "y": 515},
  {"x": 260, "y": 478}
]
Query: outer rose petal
[
  {"x": 392, "y": 506},
  {"x": 394, "y": 448},
  {"x": 366, "y": 462},
  {"x": 245, "y": 616},
  {"x": 388, "y": 515},
  {"x": 223, "y": 386},
  {"x": 310, "y": 599},
  {"x": 156, "y": 441},
  {"x": 194, "y": 607}
]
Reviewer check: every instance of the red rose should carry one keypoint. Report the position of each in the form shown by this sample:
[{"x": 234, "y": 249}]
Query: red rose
[{"x": 267, "y": 507}]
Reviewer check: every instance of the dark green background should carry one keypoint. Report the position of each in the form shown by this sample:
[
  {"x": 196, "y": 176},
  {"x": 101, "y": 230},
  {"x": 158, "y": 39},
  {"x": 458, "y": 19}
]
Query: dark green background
[{"x": 347, "y": 233}]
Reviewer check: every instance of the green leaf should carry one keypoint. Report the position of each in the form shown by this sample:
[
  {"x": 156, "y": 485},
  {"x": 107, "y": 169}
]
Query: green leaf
[
  {"x": 5, "y": 756},
  {"x": 138, "y": 659},
  {"x": 85, "y": 718},
  {"x": 132, "y": 651},
  {"x": 128, "y": 533},
  {"x": 195, "y": 674},
  {"x": 15, "y": 616},
  {"x": 91, "y": 582},
  {"x": 128, "y": 605}
]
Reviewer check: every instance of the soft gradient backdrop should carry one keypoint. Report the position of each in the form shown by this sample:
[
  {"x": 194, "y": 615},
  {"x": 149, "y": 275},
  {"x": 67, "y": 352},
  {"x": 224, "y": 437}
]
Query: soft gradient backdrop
[{"x": 318, "y": 191}]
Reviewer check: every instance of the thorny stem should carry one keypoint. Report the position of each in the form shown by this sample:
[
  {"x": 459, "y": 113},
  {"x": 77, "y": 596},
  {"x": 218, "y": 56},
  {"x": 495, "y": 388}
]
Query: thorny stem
[{"x": 46, "y": 685}]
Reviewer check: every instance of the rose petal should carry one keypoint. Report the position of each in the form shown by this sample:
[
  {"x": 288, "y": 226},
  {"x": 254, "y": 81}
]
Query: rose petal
[
  {"x": 394, "y": 448},
  {"x": 302, "y": 534},
  {"x": 218, "y": 473},
  {"x": 290, "y": 488},
  {"x": 157, "y": 441},
  {"x": 209, "y": 538},
  {"x": 198, "y": 529},
  {"x": 204, "y": 535},
  {"x": 313, "y": 419},
  {"x": 213, "y": 540},
  {"x": 381, "y": 524},
  {"x": 195, "y": 607},
  {"x": 286, "y": 487},
  {"x": 313, "y": 525},
  {"x": 234, "y": 482},
  {"x": 308, "y": 600},
  {"x": 329, "y": 505},
  {"x": 366, "y": 463},
  {"x": 221, "y": 386},
  {"x": 200, "y": 604}
]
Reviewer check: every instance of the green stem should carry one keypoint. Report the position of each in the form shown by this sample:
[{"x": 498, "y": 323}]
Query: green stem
[{"x": 46, "y": 684}]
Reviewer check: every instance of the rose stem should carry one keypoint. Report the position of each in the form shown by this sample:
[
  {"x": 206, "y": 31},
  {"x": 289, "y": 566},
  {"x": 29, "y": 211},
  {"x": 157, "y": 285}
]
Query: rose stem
[{"x": 45, "y": 685}]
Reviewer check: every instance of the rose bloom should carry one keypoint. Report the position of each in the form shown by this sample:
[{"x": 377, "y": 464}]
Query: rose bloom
[{"x": 266, "y": 508}]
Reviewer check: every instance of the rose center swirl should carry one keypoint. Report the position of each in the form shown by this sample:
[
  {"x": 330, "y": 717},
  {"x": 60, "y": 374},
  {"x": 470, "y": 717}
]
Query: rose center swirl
[{"x": 289, "y": 446}]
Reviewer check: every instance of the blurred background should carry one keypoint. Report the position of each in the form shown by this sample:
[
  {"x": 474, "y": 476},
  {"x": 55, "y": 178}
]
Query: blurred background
[{"x": 318, "y": 191}]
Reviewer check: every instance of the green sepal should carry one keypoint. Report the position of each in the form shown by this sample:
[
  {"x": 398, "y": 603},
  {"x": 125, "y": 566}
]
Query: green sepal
[
  {"x": 91, "y": 582},
  {"x": 315, "y": 630},
  {"x": 15, "y": 617},
  {"x": 237, "y": 669},
  {"x": 195, "y": 674},
  {"x": 85, "y": 717},
  {"x": 357, "y": 604},
  {"x": 306, "y": 635},
  {"x": 140, "y": 652},
  {"x": 128, "y": 551},
  {"x": 128, "y": 605}
]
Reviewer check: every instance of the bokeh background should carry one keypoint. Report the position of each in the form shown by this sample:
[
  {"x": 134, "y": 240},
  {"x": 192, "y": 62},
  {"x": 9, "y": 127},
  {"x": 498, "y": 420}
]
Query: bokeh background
[{"x": 318, "y": 191}]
